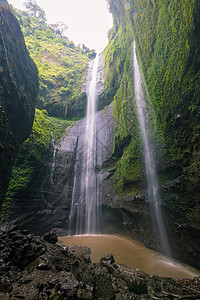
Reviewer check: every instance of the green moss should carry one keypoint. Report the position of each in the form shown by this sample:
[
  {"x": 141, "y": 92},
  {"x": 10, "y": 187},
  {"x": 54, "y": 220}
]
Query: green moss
[
  {"x": 167, "y": 38},
  {"x": 128, "y": 170},
  {"x": 106, "y": 111},
  {"x": 46, "y": 131},
  {"x": 119, "y": 87},
  {"x": 62, "y": 67}
]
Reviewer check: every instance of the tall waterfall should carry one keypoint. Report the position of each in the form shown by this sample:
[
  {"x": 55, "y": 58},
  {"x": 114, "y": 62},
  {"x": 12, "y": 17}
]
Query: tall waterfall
[
  {"x": 152, "y": 180},
  {"x": 85, "y": 209}
]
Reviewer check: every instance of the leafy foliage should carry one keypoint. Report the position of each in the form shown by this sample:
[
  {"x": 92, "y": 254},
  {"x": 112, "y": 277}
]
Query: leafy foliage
[
  {"x": 62, "y": 66},
  {"x": 167, "y": 37},
  {"x": 34, "y": 10},
  {"x": 32, "y": 153},
  {"x": 171, "y": 69},
  {"x": 119, "y": 86}
]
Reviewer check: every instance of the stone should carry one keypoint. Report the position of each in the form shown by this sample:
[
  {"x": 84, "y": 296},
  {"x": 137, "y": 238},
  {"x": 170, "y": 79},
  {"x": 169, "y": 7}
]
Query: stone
[
  {"x": 108, "y": 258},
  {"x": 17, "y": 105},
  {"x": 50, "y": 237},
  {"x": 36, "y": 269},
  {"x": 5, "y": 285}
]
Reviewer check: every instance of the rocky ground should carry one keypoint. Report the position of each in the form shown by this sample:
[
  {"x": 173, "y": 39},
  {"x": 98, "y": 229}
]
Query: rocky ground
[{"x": 33, "y": 267}]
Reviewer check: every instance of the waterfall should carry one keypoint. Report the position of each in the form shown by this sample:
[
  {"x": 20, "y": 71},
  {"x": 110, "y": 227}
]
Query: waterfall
[
  {"x": 85, "y": 209},
  {"x": 151, "y": 175}
]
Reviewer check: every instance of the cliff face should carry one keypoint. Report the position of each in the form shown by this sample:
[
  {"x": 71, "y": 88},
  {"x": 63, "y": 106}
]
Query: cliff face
[
  {"x": 44, "y": 203},
  {"x": 62, "y": 66},
  {"x": 18, "y": 92},
  {"x": 166, "y": 36}
]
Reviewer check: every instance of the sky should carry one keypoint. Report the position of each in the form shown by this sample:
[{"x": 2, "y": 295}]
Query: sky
[{"x": 88, "y": 20}]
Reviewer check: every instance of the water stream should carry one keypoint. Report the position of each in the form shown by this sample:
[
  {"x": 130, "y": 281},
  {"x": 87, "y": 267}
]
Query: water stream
[
  {"x": 85, "y": 208},
  {"x": 149, "y": 152}
]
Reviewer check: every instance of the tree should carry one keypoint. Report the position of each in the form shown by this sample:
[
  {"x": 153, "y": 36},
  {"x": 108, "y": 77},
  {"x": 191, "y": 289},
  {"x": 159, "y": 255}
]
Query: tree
[
  {"x": 34, "y": 10},
  {"x": 58, "y": 28}
]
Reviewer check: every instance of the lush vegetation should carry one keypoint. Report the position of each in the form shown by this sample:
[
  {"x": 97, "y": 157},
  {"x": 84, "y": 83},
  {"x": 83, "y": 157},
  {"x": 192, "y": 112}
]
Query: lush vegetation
[
  {"x": 169, "y": 54},
  {"x": 32, "y": 154},
  {"x": 119, "y": 86},
  {"x": 167, "y": 37},
  {"x": 62, "y": 67},
  {"x": 19, "y": 89}
]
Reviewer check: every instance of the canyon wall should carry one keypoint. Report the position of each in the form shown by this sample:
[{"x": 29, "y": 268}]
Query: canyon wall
[
  {"x": 166, "y": 36},
  {"x": 18, "y": 92}
]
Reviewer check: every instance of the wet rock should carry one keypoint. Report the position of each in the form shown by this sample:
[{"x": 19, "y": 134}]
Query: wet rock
[
  {"x": 20, "y": 249},
  {"x": 70, "y": 287},
  {"x": 82, "y": 252},
  {"x": 5, "y": 285},
  {"x": 103, "y": 284},
  {"x": 17, "y": 105},
  {"x": 54, "y": 272},
  {"x": 50, "y": 237},
  {"x": 13, "y": 228},
  {"x": 108, "y": 258},
  {"x": 107, "y": 261},
  {"x": 136, "y": 285},
  {"x": 43, "y": 266}
]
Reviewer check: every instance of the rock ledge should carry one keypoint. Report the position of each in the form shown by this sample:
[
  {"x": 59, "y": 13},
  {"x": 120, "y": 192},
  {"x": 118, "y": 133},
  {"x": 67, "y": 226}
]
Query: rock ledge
[{"x": 33, "y": 267}]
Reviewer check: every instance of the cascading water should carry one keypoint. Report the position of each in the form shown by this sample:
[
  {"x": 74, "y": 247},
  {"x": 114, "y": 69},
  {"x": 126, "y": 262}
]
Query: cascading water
[
  {"x": 152, "y": 180},
  {"x": 85, "y": 210}
]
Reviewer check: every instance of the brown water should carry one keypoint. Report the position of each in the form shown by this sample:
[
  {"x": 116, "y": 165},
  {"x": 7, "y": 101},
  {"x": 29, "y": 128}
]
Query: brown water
[{"x": 131, "y": 253}]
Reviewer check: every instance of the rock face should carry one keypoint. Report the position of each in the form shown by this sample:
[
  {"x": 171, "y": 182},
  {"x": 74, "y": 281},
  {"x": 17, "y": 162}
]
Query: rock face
[
  {"x": 131, "y": 216},
  {"x": 160, "y": 54},
  {"x": 18, "y": 91},
  {"x": 47, "y": 202},
  {"x": 46, "y": 205},
  {"x": 34, "y": 267}
]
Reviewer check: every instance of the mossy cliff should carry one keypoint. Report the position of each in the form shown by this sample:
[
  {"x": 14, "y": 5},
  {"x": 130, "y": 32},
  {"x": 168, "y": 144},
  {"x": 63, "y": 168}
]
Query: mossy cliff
[
  {"x": 119, "y": 86},
  {"x": 167, "y": 41},
  {"x": 167, "y": 35},
  {"x": 31, "y": 186},
  {"x": 18, "y": 91},
  {"x": 62, "y": 66}
]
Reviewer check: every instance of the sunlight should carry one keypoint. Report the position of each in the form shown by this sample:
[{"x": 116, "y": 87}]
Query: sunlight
[{"x": 88, "y": 20}]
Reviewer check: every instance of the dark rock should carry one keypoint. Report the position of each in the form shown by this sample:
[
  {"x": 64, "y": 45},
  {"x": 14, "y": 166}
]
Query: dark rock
[
  {"x": 5, "y": 285},
  {"x": 20, "y": 249},
  {"x": 108, "y": 258},
  {"x": 43, "y": 266},
  {"x": 136, "y": 285},
  {"x": 18, "y": 92},
  {"x": 50, "y": 237},
  {"x": 45, "y": 205},
  {"x": 108, "y": 261},
  {"x": 103, "y": 288},
  {"x": 14, "y": 228},
  {"x": 55, "y": 273}
]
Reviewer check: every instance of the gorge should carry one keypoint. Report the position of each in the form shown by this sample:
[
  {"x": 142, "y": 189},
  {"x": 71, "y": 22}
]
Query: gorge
[
  {"x": 130, "y": 167},
  {"x": 19, "y": 87}
]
